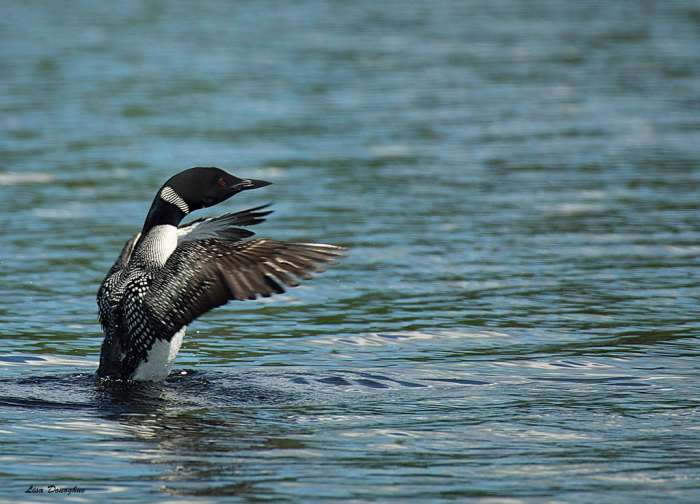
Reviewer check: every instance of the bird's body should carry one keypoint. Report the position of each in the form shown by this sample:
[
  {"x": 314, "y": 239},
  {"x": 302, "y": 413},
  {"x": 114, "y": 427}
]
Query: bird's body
[{"x": 169, "y": 274}]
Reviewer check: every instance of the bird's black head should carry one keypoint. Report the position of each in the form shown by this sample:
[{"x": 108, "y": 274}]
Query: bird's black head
[
  {"x": 204, "y": 187},
  {"x": 193, "y": 189}
]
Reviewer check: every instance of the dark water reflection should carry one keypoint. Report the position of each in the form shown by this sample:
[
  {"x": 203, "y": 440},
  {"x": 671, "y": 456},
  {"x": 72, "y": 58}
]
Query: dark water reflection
[{"x": 517, "y": 182}]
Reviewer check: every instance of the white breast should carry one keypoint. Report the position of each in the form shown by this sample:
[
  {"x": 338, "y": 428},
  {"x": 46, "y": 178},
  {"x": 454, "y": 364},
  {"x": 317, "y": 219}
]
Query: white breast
[
  {"x": 159, "y": 243},
  {"x": 160, "y": 359}
]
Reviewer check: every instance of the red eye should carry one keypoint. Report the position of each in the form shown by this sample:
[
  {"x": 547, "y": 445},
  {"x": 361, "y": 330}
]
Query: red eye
[{"x": 221, "y": 182}]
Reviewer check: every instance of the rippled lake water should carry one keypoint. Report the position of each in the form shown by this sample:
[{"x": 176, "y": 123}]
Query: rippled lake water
[{"x": 518, "y": 182}]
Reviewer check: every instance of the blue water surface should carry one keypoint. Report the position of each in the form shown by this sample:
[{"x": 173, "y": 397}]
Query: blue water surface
[{"x": 516, "y": 320}]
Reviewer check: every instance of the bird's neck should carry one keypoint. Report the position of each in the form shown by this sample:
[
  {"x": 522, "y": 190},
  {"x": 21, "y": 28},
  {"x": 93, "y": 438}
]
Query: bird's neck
[{"x": 162, "y": 213}]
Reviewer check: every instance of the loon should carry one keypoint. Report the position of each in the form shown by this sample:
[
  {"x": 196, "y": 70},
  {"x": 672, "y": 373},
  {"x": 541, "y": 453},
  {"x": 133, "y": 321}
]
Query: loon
[{"x": 170, "y": 273}]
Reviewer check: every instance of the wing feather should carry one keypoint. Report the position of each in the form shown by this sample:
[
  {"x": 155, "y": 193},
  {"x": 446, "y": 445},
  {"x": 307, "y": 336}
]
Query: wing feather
[
  {"x": 203, "y": 274},
  {"x": 223, "y": 226}
]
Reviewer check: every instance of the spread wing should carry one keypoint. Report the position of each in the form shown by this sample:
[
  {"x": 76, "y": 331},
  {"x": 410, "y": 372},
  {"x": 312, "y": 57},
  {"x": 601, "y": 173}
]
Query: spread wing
[
  {"x": 203, "y": 274},
  {"x": 223, "y": 226}
]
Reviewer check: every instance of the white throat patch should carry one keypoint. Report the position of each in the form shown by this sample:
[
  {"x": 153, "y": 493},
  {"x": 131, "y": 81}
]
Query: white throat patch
[{"x": 169, "y": 195}]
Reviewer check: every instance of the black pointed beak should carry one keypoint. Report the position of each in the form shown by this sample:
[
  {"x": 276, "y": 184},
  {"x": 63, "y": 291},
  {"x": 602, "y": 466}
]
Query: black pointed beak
[{"x": 245, "y": 184}]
